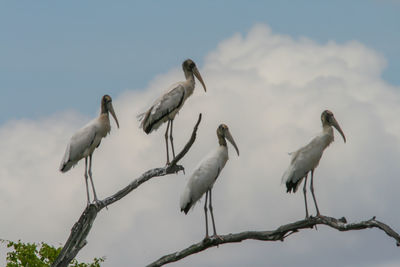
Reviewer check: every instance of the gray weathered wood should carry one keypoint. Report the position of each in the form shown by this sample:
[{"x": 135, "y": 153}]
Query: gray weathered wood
[
  {"x": 276, "y": 235},
  {"x": 81, "y": 229}
]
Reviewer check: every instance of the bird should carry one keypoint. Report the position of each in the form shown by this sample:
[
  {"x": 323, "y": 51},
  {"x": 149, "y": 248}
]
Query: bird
[
  {"x": 206, "y": 173},
  {"x": 86, "y": 140},
  {"x": 307, "y": 158},
  {"x": 165, "y": 108}
]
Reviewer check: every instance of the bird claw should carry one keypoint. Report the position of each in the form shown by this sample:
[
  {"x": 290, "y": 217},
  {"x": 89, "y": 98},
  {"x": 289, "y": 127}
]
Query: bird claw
[
  {"x": 218, "y": 237},
  {"x": 97, "y": 203},
  {"x": 206, "y": 239},
  {"x": 175, "y": 168}
]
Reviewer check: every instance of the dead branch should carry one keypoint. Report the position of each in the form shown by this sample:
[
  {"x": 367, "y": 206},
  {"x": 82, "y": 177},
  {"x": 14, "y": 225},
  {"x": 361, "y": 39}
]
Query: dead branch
[
  {"x": 279, "y": 234},
  {"x": 81, "y": 229}
]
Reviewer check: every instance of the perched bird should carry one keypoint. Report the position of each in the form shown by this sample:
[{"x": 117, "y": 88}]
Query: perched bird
[
  {"x": 168, "y": 105},
  {"x": 86, "y": 140},
  {"x": 205, "y": 175},
  {"x": 306, "y": 159}
]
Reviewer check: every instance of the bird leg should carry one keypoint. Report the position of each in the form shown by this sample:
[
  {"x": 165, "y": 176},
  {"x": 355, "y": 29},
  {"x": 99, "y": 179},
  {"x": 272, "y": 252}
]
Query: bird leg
[
  {"x": 212, "y": 217},
  {"x": 166, "y": 141},
  {"x": 205, "y": 212},
  {"x": 86, "y": 180},
  {"x": 305, "y": 197},
  {"x": 172, "y": 139},
  {"x": 91, "y": 180},
  {"x": 312, "y": 191}
]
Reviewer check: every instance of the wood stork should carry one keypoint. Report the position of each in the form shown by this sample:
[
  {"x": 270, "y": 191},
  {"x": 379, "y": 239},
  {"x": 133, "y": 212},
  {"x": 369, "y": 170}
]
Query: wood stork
[
  {"x": 168, "y": 105},
  {"x": 86, "y": 140},
  {"x": 205, "y": 175},
  {"x": 306, "y": 159}
]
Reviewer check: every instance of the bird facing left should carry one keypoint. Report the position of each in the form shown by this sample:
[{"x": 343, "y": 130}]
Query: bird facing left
[{"x": 86, "y": 140}]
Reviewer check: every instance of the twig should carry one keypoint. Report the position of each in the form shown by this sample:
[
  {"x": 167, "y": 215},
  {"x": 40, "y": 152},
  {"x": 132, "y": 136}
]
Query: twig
[
  {"x": 171, "y": 168},
  {"x": 277, "y": 235},
  {"x": 81, "y": 229},
  {"x": 188, "y": 145}
]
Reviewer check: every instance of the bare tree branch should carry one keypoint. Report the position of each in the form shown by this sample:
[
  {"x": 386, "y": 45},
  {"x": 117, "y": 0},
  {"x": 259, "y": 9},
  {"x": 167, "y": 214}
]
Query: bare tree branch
[
  {"x": 81, "y": 229},
  {"x": 279, "y": 234}
]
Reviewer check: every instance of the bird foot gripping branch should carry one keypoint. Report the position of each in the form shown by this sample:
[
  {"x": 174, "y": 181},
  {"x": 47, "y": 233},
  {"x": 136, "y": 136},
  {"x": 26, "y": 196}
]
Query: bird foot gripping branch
[
  {"x": 168, "y": 105},
  {"x": 81, "y": 229},
  {"x": 173, "y": 167},
  {"x": 280, "y": 234}
]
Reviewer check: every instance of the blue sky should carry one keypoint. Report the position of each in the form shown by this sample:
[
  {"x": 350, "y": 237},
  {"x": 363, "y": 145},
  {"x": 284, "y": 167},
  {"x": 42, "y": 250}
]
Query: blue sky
[
  {"x": 57, "y": 56},
  {"x": 270, "y": 69}
]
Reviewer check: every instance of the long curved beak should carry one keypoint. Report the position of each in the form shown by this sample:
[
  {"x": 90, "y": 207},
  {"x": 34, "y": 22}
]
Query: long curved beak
[
  {"x": 229, "y": 137},
  {"x": 198, "y": 76},
  {"x": 337, "y": 127},
  {"x": 111, "y": 109}
]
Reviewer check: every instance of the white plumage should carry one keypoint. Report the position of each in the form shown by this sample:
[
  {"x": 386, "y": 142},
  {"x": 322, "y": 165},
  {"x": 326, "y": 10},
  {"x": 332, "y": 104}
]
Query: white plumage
[
  {"x": 168, "y": 105},
  {"x": 206, "y": 173},
  {"x": 204, "y": 176},
  {"x": 307, "y": 158},
  {"x": 83, "y": 143},
  {"x": 86, "y": 140}
]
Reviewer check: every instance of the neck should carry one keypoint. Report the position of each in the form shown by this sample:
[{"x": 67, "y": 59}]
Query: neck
[
  {"x": 189, "y": 75},
  {"x": 104, "y": 110},
  {"x": 328, "y": 133},
  {"x": 190, "y": 83},
  {"x": 327, "y": 128},
  {"x": 221, "y": 141}
]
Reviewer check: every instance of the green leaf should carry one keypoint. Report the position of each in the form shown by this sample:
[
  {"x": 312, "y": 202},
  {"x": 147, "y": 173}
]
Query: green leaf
[{"x": 39, "y": 255}]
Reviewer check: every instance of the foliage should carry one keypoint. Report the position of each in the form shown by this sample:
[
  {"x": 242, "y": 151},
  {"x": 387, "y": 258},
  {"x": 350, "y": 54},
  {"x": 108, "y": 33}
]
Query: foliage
[{"x": 39, "y": 255}]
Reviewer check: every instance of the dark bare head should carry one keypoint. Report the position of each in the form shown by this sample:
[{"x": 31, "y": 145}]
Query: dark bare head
[
  {"x": 189, "y": 67},
  {"x": 327, "y": 118},
  {"x": 106, "y": 106},
  {"x": 222, "y": 133}
]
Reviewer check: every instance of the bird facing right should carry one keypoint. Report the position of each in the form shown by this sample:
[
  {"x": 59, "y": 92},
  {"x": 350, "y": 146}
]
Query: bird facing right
[
  {"x": 86, "y": 140},
  {"x": 205, "y": 175},
  {"x": 168, "y": 105},
  {"x": 307, "y": 158}
]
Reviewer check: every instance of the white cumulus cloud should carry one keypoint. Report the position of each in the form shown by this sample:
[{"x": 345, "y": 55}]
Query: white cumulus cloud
[{"x": 270, "y": 89}]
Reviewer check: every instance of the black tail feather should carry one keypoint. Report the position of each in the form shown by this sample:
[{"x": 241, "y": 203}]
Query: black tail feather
[
  {"x": 62, "y": 169},
  {"x": 148, "y": 129},
  {"x": 187, "y": 207},
  {"x": 292, "y": 186}
]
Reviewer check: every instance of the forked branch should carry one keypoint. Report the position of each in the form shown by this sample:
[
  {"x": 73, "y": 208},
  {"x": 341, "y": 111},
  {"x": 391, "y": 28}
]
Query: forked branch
[
  {"x": 81, "y": 229},
  {"x": 279, "y": 234}
]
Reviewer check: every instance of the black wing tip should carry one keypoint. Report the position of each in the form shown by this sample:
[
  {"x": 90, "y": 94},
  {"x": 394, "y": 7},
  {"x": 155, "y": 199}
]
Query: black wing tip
[
  {"x": 66, "y": 166},
  {"x": 187, "y": 208},
  {"x": 147, "y": 127},
  {"x": 62, "y": 169},
  {"x": 292, "y": 187},
  {"x": 147, "y": 130}
]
